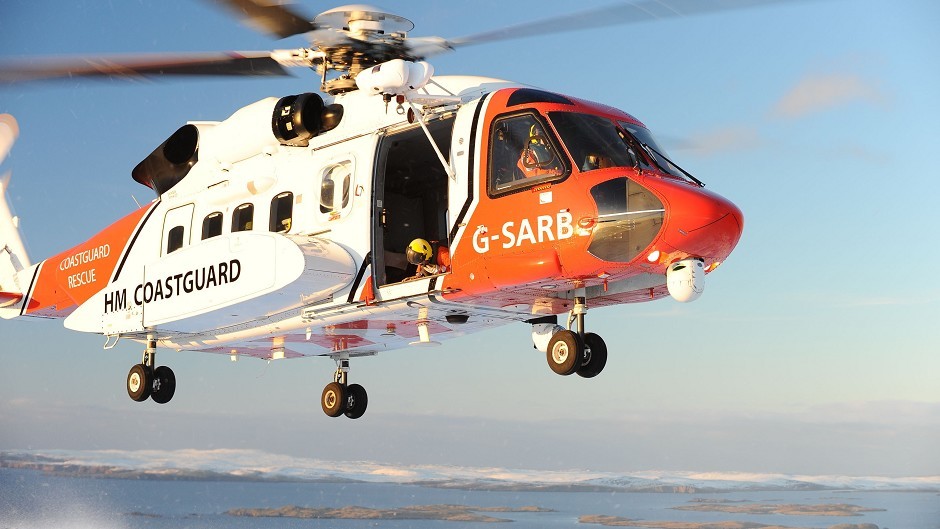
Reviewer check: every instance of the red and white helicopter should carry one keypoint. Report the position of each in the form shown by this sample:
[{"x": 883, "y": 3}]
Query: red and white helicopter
[{"x": 393, "y": 209}]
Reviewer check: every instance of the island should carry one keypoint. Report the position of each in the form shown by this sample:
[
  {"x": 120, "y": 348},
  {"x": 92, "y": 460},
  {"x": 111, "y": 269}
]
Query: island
[
  {"x": 789, "y": 509},
  {"x": 447, "y": 513},
  {"x": 617, "y": 521}
]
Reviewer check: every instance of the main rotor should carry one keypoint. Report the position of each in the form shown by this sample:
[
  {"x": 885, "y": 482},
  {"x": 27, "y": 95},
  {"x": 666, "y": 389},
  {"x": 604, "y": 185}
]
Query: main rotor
[{"x": 343, "y": 42}]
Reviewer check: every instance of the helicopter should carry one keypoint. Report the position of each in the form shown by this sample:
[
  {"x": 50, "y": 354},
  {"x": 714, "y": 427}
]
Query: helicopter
[{"x": 392, "y": 208}]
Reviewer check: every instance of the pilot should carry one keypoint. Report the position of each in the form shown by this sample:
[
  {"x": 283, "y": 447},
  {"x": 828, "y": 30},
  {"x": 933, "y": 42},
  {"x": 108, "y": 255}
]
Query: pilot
[
  {"x": 596, "y": 161},
  {"x": 537, "y": 157},
  {"x": 420, "y": 253}
]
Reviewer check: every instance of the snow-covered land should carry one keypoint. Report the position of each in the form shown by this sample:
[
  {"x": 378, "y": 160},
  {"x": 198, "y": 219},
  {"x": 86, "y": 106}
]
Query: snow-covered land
[{"x": 259, "y": 465}]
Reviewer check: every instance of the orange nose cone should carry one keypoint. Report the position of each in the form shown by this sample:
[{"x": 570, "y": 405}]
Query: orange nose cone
[{"x": 702, "y": 223}]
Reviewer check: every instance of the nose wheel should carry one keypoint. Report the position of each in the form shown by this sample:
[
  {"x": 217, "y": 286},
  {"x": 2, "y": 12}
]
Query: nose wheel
[
  {"x": 569, "y": 352},
  {"x": 145, "y": 381},
  {"x": 339, "y": 398}
]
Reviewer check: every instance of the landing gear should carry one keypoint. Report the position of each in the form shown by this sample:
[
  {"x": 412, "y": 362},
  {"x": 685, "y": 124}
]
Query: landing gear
[
  {"x": 567, "y": 351},
  {"x": 356, "y": 401},
  {"x": 139, "y": 383},
  {"x": 333, "y": 399},
  {"x": 338, "y": 398},
  {"x": 596, "y": 351},
  {"x": 144, "y": 381},
  {"x": 164, "y": 385}
]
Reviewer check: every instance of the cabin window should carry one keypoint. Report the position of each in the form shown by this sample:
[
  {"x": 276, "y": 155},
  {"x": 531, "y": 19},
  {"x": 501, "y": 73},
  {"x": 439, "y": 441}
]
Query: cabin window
[
  {"x": 212, "y": 225},
  {"x": 282, "y": 207},
  {"x": 629, "y": 218},
  {"x": 523, "y": 153},
  {"x": 334, "y": 190},
  {"x": 174, "y": 240},
  {"x": 242, "y": 217},
  {"x": 176, "y": 226}
]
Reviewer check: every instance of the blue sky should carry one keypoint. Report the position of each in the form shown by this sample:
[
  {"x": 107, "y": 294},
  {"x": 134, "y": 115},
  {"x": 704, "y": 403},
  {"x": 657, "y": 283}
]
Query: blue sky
[{"x": 815, "y": 346}]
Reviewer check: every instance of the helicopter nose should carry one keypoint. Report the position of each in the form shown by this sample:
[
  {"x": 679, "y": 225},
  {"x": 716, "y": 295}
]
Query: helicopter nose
[{"x": 702, "y": 223}]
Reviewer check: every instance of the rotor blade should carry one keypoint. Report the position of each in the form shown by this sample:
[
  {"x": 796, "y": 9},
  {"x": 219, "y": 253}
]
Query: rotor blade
[
  {"x": 276, "y": 19},
  {"x": 614, "y": 14},
  {"x": 135, "y": 66}
]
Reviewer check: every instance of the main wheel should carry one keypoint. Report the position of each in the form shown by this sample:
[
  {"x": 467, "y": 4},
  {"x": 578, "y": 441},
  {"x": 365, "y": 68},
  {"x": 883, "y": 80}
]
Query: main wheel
[
  {"x": 139, "y": 382},
  {"x": 356, "y": 401},
  {"x": 333, "y": 399},
  {"x": 565, "y": 352},
  {"x": 164, "y": 385},
  {"x": 596, "y": 351}
]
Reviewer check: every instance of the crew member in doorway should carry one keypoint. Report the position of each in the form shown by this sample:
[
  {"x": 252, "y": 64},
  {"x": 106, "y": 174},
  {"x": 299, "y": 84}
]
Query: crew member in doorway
[{"x": 420, "y": 253}]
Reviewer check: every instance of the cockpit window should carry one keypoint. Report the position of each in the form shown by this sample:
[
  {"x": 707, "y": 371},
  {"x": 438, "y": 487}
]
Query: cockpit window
[
  {"x": 523, "y": 152},
  {"x": 653, "y": 150},
  {"x": 595, "y": 142}
]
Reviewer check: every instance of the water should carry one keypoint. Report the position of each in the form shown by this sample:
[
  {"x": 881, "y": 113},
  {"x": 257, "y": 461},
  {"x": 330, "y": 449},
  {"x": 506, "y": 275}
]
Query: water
[{"x": 32, "y": 500}]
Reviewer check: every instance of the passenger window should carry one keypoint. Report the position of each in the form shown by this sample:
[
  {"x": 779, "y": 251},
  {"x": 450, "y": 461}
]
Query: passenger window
[
  {"x": 334, "y": 190},
  {"x": 282, "y": 207},
  {"x": 523, "y": 152},
  {"x": 212, "y": 225},
  {"x": 242, "y": 217},
  {"x": 174, "y": 240}
]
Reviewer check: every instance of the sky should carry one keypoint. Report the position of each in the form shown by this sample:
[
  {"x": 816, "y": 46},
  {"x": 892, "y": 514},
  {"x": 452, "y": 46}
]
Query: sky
[{"x": 814, "y": 349}]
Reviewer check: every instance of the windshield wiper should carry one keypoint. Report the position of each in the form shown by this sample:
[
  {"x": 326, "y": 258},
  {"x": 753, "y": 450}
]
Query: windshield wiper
[{"x": 651, "y": 151}]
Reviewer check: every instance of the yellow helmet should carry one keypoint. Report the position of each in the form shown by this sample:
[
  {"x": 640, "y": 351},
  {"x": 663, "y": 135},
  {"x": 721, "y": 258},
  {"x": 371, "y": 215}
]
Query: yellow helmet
[{"x": 419, "y": 251}]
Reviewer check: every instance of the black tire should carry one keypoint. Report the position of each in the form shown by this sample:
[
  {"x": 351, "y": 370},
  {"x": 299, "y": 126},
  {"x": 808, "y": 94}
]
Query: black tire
[
  {"x": 139, "y": 382},
  {"x": 596, "y": 352},
  {"x": 565, "y": 352},
  {"x": 164, "y": 385},
  {"x": 333, "y": 399},
  {"x": 356, "y": 401}
]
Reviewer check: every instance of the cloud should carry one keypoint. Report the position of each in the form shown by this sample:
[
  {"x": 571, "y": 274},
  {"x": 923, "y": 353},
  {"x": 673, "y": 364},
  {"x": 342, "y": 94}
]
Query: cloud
[
  {"x": 723, "y": 139},
  {"x": 820, "y": 92}
]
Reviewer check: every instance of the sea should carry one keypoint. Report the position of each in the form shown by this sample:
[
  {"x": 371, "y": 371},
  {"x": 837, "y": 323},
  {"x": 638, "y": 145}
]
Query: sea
[{"x": 31, "y": 499}]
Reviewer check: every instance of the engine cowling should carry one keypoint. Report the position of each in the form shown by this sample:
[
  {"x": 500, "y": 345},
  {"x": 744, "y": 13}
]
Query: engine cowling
[
  {"x": 169, "y": 163},
  {"x": 297, "y": 118},
  {"x": 291, "y": 120},
  {"x": 685, "y": 280}
]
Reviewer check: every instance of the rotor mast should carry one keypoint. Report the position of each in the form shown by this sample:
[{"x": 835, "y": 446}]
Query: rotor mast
[{"x": 350, "y": 39}]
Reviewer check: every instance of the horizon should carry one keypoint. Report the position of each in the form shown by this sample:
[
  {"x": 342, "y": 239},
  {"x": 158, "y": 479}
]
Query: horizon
[{"x": 255, "y": 464}]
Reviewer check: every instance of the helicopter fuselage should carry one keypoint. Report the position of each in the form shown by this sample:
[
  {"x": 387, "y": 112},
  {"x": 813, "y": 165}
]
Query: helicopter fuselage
[
  {"x": 270, "y": 246},
  {"x": 260, "y": 242}
]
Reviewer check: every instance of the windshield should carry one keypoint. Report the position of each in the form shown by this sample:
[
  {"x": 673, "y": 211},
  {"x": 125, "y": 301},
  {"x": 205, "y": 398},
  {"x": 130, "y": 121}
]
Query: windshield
[
  {"x": 654, "y": 151},
  {"x": 595, "y": 142}
]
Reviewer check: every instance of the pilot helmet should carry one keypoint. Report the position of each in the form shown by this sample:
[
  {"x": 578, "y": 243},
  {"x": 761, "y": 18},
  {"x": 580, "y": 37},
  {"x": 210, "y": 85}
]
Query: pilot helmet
[
  {"x": 419, "y": 251},
  {"x": 537, "y": 152}
]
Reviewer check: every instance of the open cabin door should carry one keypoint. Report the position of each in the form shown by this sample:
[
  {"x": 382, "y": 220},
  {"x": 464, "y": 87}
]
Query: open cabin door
[{"x": 411, "y": 200}]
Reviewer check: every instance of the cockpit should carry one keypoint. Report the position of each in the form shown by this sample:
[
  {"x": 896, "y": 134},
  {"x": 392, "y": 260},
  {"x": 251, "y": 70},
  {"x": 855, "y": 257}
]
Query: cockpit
[
  {"x": 525, "y": 151},
  {"x": 536, "y": 149},
  {"x": 597, "y": 142}
]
